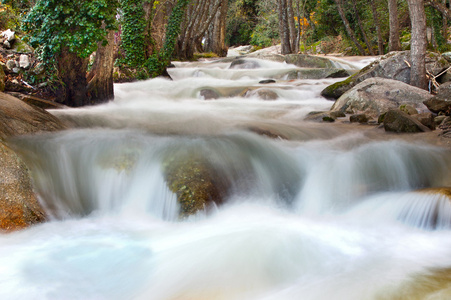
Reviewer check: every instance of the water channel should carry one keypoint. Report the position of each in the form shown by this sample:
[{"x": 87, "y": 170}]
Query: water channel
[{"x": 315, "y": 211}]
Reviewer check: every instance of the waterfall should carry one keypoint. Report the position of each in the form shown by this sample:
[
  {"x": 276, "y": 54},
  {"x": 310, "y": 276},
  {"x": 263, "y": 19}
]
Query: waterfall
[{"x": 309, "y": 210}]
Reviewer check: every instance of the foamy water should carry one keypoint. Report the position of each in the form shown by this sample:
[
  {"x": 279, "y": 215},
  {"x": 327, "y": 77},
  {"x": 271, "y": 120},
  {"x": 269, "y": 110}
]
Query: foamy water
[{"x": 328, "y": 214}]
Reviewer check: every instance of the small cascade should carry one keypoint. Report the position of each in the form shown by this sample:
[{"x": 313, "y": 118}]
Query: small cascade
[{"x": 300, "y": 210}]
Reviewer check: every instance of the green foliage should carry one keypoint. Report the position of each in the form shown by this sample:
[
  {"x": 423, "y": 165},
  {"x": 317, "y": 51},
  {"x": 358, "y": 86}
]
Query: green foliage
[
  {"x": 73, "y": 25},
  {"x": 241, "y": 21},
  {"x": 133, "y": 33},
  {"x": 9, "y": 18},
  {"x": 157, "y": 63}
]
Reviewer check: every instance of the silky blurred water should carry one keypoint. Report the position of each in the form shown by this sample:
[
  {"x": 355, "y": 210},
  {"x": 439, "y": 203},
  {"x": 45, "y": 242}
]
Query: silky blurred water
[{"x": 328, "y": 213}]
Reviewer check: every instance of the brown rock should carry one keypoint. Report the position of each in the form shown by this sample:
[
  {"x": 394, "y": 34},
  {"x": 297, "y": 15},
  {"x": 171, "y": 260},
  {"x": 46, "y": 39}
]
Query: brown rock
[
  {"x": 427, "y": 119},
  {"x": 19, "y": 207},
  {"x": 400, "y": 122},
  {"x": 17, "y": 117}
]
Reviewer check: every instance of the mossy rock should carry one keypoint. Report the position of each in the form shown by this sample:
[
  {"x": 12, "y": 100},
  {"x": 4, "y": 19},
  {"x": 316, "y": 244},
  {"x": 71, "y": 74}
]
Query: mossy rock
[
  {"x": 194, "y": 181},
  {"x": 394, "y": 65},
  {"x": 21, "y": 47}
]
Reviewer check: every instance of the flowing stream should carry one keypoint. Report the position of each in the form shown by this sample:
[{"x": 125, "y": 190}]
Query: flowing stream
[{"x": 314, "y": 211}]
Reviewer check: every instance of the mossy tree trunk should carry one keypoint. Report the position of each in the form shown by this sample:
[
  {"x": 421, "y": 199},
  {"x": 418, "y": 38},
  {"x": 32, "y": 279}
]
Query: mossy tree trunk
[
  {"x": 72, "y": 72},
  {"x": 100, "y": 78}
]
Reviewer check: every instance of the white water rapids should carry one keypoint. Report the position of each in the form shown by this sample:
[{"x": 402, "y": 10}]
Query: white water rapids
[{"x": 328, "y": 213}]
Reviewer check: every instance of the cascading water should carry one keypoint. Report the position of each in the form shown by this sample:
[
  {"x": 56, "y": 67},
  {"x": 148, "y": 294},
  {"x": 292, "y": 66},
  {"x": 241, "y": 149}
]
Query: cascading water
[{"x": 315, "y": 212}]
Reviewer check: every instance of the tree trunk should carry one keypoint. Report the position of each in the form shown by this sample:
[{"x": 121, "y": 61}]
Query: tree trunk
[
  {"x": 418, "y": 43},
  {"x": 292, "y": 27},
  {"x": 380, "y": 41},
  {"x": 100, "y": 78},
  {"x": 284, "y": 28},
  {"x": 359, "y": 21},
  {"x": 393, "y": 42},
  {"x": 445, "y": 24},
  {"x": 348, "y": 27},
  {"x": 72, "y": 72}
]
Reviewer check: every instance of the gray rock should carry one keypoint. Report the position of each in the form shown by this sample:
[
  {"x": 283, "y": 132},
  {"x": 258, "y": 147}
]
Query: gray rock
[
  {"x": 264, "y": 94},
  {"x": 441, "y": 103},
  {"x": 11, "y": 64},
  {"x": 395, "y": 65},
  {"x": 244, "y": 64},
  {"x": 375, "y": 96},
  {"x": 400, "y": 122},
  {"x": 24, "y": 61},
  {"x": 208, "y": 94}
]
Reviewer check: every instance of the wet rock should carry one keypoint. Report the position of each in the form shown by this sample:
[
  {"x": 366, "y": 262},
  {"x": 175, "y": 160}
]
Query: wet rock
[
  {"x": 395, "y": 65},
  {"x": 17, "y": 118},
  {"x": 375, "y": 96},
  {"x": 244, "y": 64},
  {"x": 209, "y": 94},
  {"x": 400, "y": 122},
  {"x": 264, "y": 94},
  {"x": 195, "y": 183},
  {"x": 266, "y": 81},
  {"x": 359, "y": 118},
  {"x": 19, "y": 207},
  {"x": 321, "y": 117},
  {"x": 427, "y": 119},
  {"x": 271, "y": 133},
  {"x": 337, "y": 114}
]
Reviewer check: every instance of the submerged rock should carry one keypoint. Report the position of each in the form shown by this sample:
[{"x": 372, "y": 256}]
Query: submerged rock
[
  {"x": 195, "y": 183},
  {"x": 394, "y": 65},
  {"x": 376, "y": 96},
  {"x": 19, "y": 206},
  {"x": 209, "y": 94},
  {"x": 241, "y": 63},
  {"x": 264, "y": 94}
]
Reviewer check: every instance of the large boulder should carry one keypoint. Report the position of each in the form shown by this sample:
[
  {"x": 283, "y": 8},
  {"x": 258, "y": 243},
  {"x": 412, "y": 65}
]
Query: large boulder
[
  {"x": 17, "y": 118},
  {"x": 376, "y": 96},
  {"x": 19, "y": 207},
  {"x": 395, "y": 65},
  {"x": 309, "y": 61},
  {"x": 441, "y": 103}
]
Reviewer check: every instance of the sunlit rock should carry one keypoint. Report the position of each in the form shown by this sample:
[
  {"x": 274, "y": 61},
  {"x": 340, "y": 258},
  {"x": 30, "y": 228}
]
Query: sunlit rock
[
  {"x": 19, "y": 207},
  {"x": 376, "y": 96},
  {"x": 394, "y": 65}
]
